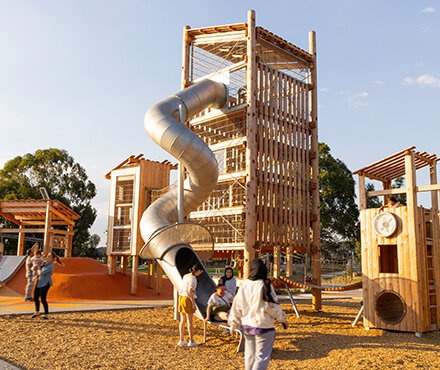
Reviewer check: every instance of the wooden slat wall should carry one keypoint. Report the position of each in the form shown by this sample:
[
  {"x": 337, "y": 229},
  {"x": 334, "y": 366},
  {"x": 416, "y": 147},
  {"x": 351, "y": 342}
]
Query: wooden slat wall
[
  {"x": 411, "y": 281},
  {"x": 283, "y": 203}
]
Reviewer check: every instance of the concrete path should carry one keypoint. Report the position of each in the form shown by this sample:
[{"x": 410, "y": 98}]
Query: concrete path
[
  {"x": 7, "y": 366},
  {"x": 17, "y": 308}
]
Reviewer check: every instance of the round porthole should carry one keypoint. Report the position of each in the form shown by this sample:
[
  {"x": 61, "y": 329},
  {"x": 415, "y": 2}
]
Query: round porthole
[
  {"x": 385, "y": 224},
  {"x": 390, "y": 307}
]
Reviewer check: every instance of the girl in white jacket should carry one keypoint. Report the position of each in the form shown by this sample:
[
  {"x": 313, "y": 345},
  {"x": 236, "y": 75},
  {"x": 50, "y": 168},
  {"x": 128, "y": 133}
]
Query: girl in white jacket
[{"x": 254, "y": 310}]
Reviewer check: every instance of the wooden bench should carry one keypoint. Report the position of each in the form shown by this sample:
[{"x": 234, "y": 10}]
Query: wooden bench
[{"x": 224, "y": 325}]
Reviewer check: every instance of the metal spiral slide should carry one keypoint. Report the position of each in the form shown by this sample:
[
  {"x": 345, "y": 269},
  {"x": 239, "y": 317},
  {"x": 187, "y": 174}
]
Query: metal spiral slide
[{"x": 166, "y": 240}]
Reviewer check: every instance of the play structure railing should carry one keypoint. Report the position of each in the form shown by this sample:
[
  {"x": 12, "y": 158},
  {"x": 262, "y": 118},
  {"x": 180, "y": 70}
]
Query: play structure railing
[{"x": 336, "y": 288}]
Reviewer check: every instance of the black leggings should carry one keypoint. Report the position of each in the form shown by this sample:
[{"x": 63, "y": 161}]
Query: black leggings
[{"x": 41, "y": 293}]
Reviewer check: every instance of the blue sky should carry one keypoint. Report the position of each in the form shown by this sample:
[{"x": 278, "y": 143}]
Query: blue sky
[{"x": 79, "y": 75}]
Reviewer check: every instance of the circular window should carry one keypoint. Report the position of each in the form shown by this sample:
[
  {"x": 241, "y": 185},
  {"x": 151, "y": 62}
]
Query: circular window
[
  {"x": 385, "y": 224},
  {"x": 390, "y": 307}
]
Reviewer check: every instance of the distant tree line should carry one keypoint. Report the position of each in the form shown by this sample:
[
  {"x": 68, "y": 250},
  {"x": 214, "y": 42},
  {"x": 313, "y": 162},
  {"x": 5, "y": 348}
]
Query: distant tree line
[{"x": 67, "y": 181}]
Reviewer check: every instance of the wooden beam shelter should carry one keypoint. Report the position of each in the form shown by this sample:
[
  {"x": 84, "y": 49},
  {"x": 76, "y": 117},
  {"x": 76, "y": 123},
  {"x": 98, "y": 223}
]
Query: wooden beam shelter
[{"x": 49, "y": 217}]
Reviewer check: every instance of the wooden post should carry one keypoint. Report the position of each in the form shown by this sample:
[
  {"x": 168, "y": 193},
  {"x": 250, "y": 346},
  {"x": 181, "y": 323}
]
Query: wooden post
[
  {"x": 21, "y": 235},
  {"x": 315, "y": 222},
  {"x": 124, "y": 263},
  {"x": 289, "y": 261},
  {"x": 435, "y": 241},
  {"x": 251, "y": 131},
  {"x": 433, "y": 180},
  {"x": 159, "y": 278},
  {"x": 111, "y": 265},
  {"x": 68, "y": 251},
  {"x": 150, "y": 279},
  {"x": 186, "y": 44},
  {"x": 134, "y": 273},
  {"x": 47, "y": 226},
  {"x": 413, "y": 242},
  {"x": 276, "y": 261}
]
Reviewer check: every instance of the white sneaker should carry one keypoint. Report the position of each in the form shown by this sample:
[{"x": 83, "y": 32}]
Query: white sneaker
[
  {"x": 192, "y": 343},
  {"x": 182, "y": 343}
]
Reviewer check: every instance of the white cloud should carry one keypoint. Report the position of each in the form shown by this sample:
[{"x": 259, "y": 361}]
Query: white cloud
[
  {"x": 324, "y": 89},
  {"x": 428, "y": 80},
  {"x": 408, "y": 81},
  {"x": 357, "y": 103},
  {"x": 362, "y": 94},
  {"x": 377, "y": 82},
  {"x": 428, "y": 10},
  {"x": 422, "y": 81}
]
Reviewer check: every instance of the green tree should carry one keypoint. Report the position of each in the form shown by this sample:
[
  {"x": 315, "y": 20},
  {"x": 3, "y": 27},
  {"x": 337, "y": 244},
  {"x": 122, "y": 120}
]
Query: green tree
[
  {"x": 375, "y": 202},
  {"x": 89, "y": 248},
  {"x": 338, "y": 210},
  {"x": 372, "y": 202},
  {"x": 397, "y": 184},
  {"x": 63, "y": 178}
]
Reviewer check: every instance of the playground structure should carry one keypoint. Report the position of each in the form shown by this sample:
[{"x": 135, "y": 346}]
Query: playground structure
[
  {"x": 401, "y": 247},
  {"x": 133, "y": 184},
  {"x": 244, "y": 129},
  {"x": 44, "y": 216}
]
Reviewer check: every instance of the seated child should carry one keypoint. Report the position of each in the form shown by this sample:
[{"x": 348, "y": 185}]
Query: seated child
[{"x": 219, "y": 304}]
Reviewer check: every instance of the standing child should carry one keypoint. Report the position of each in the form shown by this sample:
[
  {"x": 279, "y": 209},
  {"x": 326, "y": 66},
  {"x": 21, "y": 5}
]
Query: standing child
[
  {"x": 30, "y": 277},
  {"x": 254, "y": 309},
  {"x": 187, "y": 304}
]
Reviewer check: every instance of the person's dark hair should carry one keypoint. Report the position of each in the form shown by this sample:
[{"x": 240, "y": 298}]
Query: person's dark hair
[
  {"x": 258, "y": 271},
  {"x": 56, "y": 258},
  {"x": 196, "y": 267},
  {"x": 393, "y": 199},
  {"x": 29, "y": 251}
]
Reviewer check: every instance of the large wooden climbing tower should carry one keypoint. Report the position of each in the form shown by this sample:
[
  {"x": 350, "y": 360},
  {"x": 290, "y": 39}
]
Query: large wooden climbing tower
[{"x": 265, "y": 141}]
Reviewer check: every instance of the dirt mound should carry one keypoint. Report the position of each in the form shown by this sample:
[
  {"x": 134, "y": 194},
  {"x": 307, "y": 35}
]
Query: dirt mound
[{"x": 85, "y": 279}]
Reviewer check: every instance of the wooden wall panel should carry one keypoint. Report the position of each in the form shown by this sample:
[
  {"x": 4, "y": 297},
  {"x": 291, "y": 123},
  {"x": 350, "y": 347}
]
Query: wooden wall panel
[
  {"x": 411, "y": 280},
  {"x": 283, "y": 160}
]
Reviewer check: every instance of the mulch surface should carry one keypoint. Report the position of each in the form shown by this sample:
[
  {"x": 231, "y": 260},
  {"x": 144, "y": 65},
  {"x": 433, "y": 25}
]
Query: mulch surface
[{"x": 147, "y": 339}]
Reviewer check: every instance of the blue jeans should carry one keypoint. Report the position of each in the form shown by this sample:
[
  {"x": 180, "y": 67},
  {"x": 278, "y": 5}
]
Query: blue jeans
[{"x": 257, "y": 350}]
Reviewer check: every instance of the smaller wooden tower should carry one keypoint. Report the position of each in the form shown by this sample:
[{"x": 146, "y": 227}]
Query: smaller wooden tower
[
  {"x": 133, "y": 183},
  {"x": 401, "y": 247}
]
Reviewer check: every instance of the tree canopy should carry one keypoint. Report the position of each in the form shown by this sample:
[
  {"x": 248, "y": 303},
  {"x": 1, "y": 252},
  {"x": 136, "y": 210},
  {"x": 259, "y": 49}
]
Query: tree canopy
[
  {"x": 338, "y": 210},
  {"x": 375, "y": 202},
  {"x": 63, "y": 178}
]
